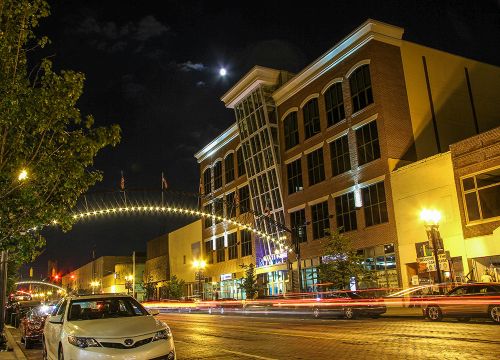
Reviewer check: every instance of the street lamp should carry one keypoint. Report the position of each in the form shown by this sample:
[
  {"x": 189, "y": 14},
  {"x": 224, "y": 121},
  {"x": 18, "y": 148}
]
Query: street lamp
[
  {"x": 94, "y": 284},
  {"x": 199, "y": 265},
  {"x": 23, "y": 175},
  {"x": 431, "y": 220}
]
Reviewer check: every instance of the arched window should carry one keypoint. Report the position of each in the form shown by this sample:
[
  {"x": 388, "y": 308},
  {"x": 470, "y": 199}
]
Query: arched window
[
  {"x": 291, "y": 130},
  {"x": 241, "y": 165},
  {"x": 218, "y": 175},
  {"x": 361, "y": 88},
  {"x": 207, "y": 181},
  {"x": 229, "y": 167},
  {"x": 311, "y": 118},
  {"x": 334, "y": 103}
]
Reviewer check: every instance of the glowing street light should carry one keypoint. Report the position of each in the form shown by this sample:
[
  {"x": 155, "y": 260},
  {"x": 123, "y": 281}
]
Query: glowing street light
[
  {"x": 199, "y": 265},
  {"x": 431, "y": 220},
  {"x": 23, "y": 175},
  {"x": 222, "y": 72}
]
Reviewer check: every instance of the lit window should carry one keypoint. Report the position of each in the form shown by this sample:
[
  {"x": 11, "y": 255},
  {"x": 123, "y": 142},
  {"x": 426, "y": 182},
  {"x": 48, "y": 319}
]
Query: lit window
[{"x": 481, "y": 193}]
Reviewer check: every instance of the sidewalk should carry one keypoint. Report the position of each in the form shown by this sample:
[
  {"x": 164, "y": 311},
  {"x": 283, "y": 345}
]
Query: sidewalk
[{"x": 16, "y": 353}]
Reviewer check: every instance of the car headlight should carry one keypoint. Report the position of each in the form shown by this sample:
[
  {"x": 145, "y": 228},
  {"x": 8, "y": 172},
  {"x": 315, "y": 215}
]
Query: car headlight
[
  {"x": 162, "y": 335},
  {"x": 83, "y": 342}
]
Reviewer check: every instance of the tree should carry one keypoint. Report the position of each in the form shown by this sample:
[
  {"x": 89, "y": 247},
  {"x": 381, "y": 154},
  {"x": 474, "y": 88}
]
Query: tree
[
  {"x": 42, "y": 132},
  {"x": 249, "y": 283},
  {"x": 174, "y": 288},
  {"x": 341, "y": 262},
  {"x": 149, "y": 287}
]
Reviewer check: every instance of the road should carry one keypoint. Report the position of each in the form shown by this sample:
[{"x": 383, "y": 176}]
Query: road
[{"x": 203, "y": 336}]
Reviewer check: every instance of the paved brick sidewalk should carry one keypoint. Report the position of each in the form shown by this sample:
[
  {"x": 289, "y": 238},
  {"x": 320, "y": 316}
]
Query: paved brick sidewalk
[{"x": 16, "y": 353}]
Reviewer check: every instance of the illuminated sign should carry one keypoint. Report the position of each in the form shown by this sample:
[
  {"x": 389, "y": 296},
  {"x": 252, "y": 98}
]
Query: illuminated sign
[
  {"x": 226, "y": 277},
  {"x": 273, "y": 259}
]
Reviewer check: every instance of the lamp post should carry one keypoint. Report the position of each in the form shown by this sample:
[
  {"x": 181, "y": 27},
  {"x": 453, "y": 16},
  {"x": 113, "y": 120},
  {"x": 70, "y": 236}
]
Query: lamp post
[
  {"x": 94, "y": 284},
  {"x": 199, "y": 265},
  {"x": 431, "y": 220}
]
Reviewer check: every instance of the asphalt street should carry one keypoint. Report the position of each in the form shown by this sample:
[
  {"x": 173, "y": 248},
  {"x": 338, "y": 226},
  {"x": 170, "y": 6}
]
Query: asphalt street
[{"x": 203, "y": 336}]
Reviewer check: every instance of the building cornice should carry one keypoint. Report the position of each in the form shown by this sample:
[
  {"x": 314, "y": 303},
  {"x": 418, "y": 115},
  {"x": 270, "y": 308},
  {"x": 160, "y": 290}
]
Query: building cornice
[
  {"x": 218, "y": 143},
  {"x": 256, "y": 76},
  {"x": 369, "y": 30}
]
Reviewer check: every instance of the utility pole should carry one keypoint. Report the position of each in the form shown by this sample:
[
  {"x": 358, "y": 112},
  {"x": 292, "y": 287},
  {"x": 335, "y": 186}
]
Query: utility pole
[{"x": 133, "y": 274}]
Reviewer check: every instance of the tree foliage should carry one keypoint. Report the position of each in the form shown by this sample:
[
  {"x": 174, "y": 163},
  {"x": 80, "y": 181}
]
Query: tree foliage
[
  {"x": 341, "y": 262},
  {"x": 174, "y": 288},
  {"x": 249, "y": 283},
  {"x": 42, "y": 131}
]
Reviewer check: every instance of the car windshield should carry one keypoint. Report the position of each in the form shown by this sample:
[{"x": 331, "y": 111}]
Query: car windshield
[{"x": 105, "y": 308}]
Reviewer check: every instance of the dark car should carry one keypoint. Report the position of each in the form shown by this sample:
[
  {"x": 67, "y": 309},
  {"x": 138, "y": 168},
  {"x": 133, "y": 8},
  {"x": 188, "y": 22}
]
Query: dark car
[
  {"x": 465, "y": 302},
  {"x": 31, "y": 325},
  {"x": 347, "y": 304}
]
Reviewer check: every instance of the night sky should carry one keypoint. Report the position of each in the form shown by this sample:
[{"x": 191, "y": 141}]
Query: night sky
[{"x": 152, "y": 67}]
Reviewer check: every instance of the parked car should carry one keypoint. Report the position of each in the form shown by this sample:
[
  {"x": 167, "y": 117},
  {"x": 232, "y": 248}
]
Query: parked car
[
  {"x": 465, "y": 302},
  {"x": 31, "y": 325},
  {"x": 105, "y": 326}
]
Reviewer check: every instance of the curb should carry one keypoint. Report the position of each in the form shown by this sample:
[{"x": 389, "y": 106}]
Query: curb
[{"x": 14, "y": 345}]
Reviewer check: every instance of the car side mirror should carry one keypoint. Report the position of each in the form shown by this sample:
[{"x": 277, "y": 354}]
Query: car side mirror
[
  {"x": 56, "y": 319},
  {"x": 154, "y": 312}
]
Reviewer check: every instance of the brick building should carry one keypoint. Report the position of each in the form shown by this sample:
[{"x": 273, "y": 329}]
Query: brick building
[{"x": 316, "y": 150}]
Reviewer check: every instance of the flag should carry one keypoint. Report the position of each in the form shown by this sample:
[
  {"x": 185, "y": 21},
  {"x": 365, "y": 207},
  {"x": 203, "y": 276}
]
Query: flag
[
  {"x": 122, "y": 183},
  {"x": 164, "y": 184}
]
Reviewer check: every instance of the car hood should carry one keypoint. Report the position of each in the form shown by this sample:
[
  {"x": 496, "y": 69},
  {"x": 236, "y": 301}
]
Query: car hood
[{"x": 115, "y": 327}]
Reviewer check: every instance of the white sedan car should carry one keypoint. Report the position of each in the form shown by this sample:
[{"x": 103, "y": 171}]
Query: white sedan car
[{"x": 105, "y": 326}]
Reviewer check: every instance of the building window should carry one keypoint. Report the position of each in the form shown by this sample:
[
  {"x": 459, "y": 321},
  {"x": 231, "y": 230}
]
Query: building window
[
  {"x": 361, "y": 88},
  {"x": 207, "y": 209},
  {"x": 246, "y": 243},
  {"x": 374, "y": 204},
  {"x": 311, "y": 118},
  {"x": 381, "y": 257},
  {"x": 241, "y": 164},
  {"x": 218, "y": 175},
  {"x": 229, "y": 168},
  {"x": 230, "y": 205},
  {"x": 339, "y": 152},
  {"x": 345, "y": 210},
  {"x": 334, "y": 102},
  {"x": 320, "y": 220},
  {"x": 208, "y": 251},
  {"x": 232, "y": 246},
  {"x": 219, "y": 246},
  {"x": 310, "y": 279},
  {"x": 298, "y": 225},
  {"x": 219, "y": 209},
  {"x": 291, "y": 130},
  {"x": 207, "y": 181},
  {"x": 294, "y": 172},
  {"x": 367, "y": 142},
  {"x": 315, "y": 166},
  {"x": 481, "y": 195},
  {"x": 244, "y": 199}
]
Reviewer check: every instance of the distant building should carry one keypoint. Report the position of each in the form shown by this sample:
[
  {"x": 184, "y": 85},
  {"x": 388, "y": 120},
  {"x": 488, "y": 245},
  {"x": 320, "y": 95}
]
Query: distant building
[
  {"x": 108, "y": 274},
  {"x": 315, "y": 151},
  {"x": 157, "y": 269}
]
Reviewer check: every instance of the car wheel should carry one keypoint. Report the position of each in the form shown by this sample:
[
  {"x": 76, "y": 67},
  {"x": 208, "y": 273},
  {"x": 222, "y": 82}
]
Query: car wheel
[
  {"x": 349, "y": 313},
  {"x": 495, "y": 313},
  {"x": 316, "y": 313},
  {"x": 434, "y": 313},
  {"x": 60, "y": 355},
  {"x": 464, "y": 319}
]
